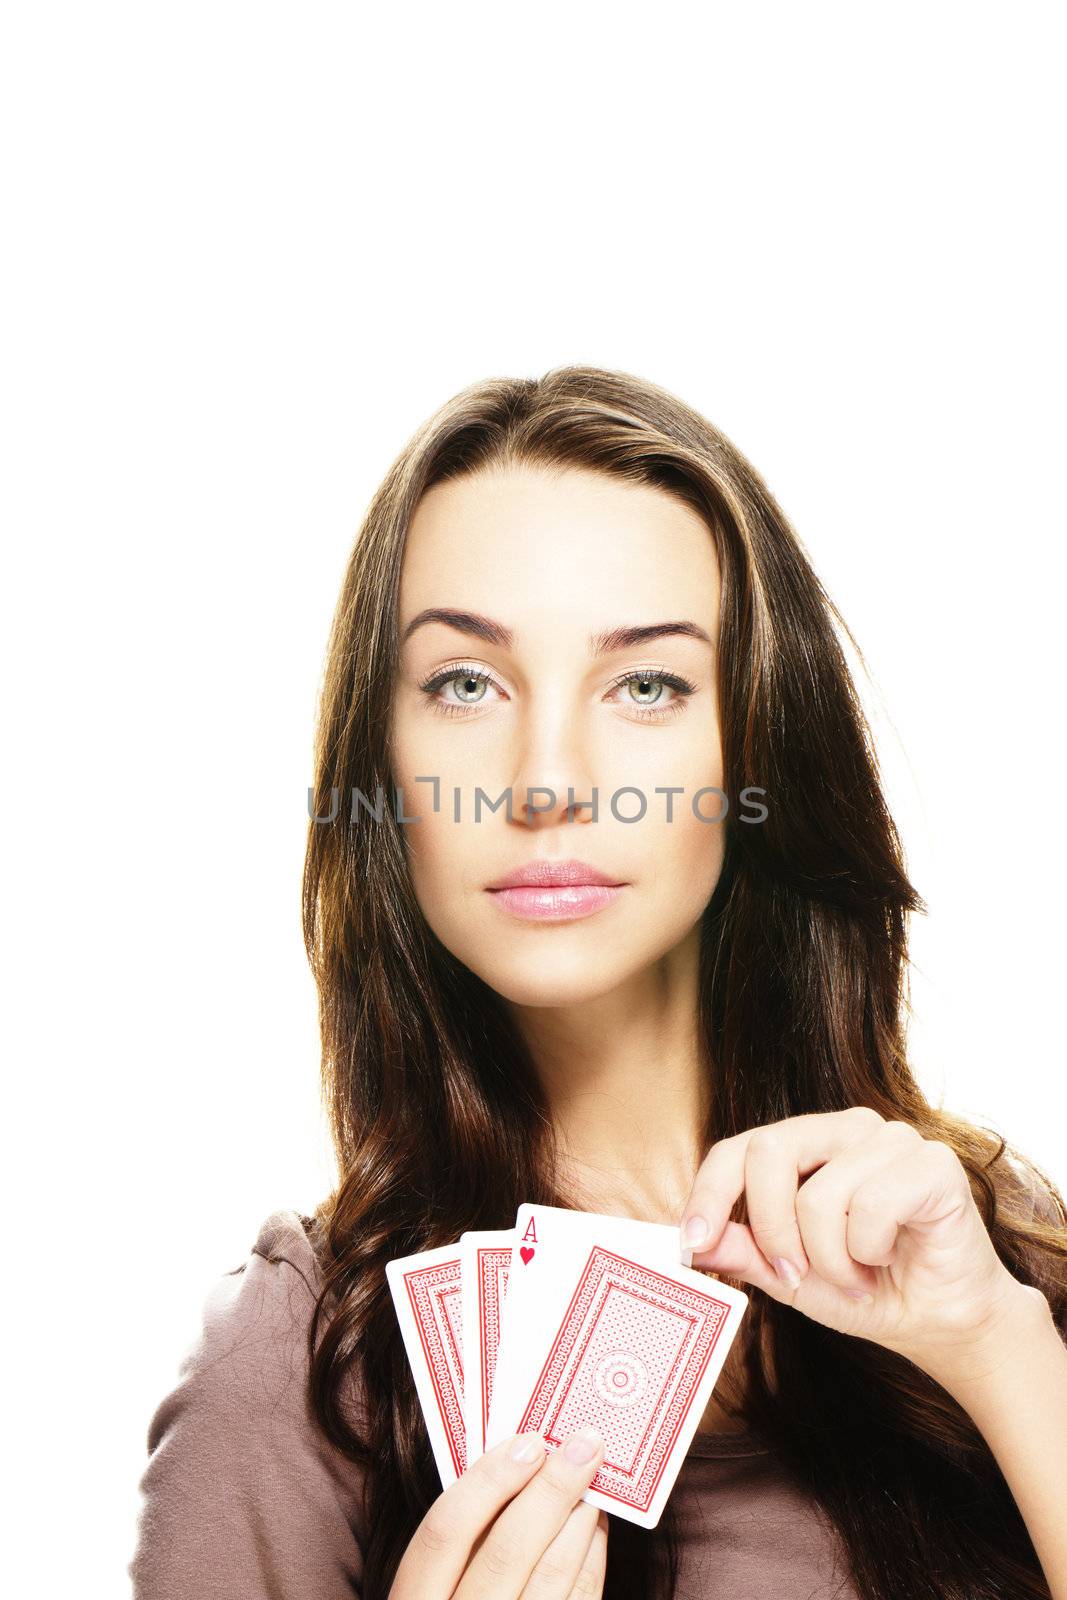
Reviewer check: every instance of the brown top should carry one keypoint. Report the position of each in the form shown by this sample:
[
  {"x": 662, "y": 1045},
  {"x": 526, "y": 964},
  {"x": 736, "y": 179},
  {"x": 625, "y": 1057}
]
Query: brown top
[{"x": 244, "y": 1499}]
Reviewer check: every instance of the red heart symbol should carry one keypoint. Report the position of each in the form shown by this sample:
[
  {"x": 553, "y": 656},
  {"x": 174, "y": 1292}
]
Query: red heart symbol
[{"x": 526, "y": 1252}]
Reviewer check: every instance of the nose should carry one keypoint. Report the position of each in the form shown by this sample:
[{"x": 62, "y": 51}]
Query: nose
[{"x": 552, "y": 782}]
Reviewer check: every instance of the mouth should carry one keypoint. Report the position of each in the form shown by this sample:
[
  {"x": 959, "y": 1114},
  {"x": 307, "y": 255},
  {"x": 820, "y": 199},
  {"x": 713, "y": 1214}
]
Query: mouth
[
  {"x": 555, "y": 891},
  {"x": 544, "y": 874}
]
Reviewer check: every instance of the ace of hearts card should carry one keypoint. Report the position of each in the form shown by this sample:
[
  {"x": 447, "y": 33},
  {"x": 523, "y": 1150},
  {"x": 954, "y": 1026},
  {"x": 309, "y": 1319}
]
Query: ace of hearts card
[{"x": 603, "y": 1324}]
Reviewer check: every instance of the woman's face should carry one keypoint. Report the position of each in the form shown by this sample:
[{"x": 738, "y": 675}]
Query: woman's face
[{"x": 530, "y": 692}]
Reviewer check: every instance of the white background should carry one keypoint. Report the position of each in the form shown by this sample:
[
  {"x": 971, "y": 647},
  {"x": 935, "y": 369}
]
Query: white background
[{"x": 249, "y": 248}]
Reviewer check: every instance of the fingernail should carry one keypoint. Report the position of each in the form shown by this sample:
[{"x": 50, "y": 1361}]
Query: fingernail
[
  {"x": 859, "y": 1294},
  {"x": 583, "y": 1445},
  {"x": 787, "y": 1271},
  {"x": 694, "y": 1232},
  {"x": 527, "y": 1447}
]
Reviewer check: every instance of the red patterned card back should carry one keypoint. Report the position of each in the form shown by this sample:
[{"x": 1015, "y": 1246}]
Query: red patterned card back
[
  {"x": 436, "y": 1303},
  {"x": 627, "y": 1358}
]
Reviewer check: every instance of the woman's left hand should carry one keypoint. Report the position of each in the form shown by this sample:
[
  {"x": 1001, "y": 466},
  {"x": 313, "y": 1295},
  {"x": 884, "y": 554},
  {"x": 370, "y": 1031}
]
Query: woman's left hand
[{"x": 882, "y": 1213}]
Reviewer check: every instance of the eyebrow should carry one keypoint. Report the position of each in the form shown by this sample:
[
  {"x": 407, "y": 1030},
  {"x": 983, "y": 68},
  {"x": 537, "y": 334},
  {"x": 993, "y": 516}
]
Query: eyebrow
[{"x": 600, "y": 644}]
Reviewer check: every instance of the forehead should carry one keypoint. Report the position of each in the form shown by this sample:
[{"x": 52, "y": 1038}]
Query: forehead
[{"x": 530, "y": 544}]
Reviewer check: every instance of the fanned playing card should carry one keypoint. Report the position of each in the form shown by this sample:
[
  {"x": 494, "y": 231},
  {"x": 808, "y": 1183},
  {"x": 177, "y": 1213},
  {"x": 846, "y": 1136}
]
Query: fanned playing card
[
  {"x": 486, "y": 1259},
  {"x": 602, "y": 1326},
  {"x": 426, "y": 1294},
  {"x": 539, "y": 1250}
]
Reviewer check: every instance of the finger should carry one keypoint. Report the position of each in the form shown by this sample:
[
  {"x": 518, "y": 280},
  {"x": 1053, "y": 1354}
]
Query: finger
[
  {"x": 519, "y": 1536},
  {"x": 771, "y": 1181},
  {"x": 556, "y": 1573},
  {"x": 441, "y": 1545},
  {"x": 920, "y": 1191},
  {"x": 823, "y": 1203},
  {"x": 738, "y": 1256},
  {"x": 812, "y": 1139},
  {"x": 589, "y": 1584},
  {"x": 820, "y": 1214}
]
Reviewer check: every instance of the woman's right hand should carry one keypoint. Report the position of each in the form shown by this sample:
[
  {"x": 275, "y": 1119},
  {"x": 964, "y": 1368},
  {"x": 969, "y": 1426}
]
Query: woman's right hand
[{"x": 508, "y": 1529}]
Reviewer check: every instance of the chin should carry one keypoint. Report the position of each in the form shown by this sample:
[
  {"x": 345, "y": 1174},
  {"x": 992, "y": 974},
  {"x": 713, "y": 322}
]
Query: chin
[{"x": 540, "y": 980}]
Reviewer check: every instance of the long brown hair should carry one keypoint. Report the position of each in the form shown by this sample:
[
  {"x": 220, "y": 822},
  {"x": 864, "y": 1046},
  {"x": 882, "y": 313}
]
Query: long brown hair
[{"x": 437, "y": 1118}]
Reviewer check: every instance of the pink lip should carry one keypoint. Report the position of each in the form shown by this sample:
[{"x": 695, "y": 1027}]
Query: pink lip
[
  {"x": 557, "y": 905},
  {"x": 555, "y": 891},
  {"x": 544, "y": 874}
]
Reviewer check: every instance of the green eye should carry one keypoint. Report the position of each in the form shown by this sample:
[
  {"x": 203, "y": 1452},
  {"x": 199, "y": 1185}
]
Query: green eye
[
  {"x": 646, "y": 684},
  {"x": 646, "y": 693},
  {"x": 473, "y": 686},
  {"x": 645, "y": 690}
]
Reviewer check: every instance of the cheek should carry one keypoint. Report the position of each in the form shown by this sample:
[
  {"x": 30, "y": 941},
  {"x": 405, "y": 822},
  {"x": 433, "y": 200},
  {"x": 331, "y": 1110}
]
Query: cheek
[
  {"x": 412, "y": 756},
  {"x": 423, "y": 746},
  {"x": 434, "y": 873},
  {"x": 692, "y": 841},
  {"x": 686, "y": 754},
  {"x": 414, "y": 804},
  {"x": 687, "y": 853},
  {"x": 705, "y": 848},
  {"x": 443, "y": 855},
  {"x": 432, "y": 840}
]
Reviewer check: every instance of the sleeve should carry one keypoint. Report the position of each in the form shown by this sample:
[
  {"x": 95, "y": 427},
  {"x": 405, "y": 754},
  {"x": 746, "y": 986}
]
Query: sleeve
[{"x": 243, "y": 1495}]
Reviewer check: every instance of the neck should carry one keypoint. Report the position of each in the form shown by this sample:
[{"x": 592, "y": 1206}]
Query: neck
[{"x": 628, "y": 1089}]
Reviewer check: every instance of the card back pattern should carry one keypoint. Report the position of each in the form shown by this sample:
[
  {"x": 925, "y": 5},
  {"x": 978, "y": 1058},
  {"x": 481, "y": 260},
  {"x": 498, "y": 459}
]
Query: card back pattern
[
  {"x": 492, "y": 1264},
  {"x": 628, "y": 1357},
  {"x": 436, "y": 1304}
]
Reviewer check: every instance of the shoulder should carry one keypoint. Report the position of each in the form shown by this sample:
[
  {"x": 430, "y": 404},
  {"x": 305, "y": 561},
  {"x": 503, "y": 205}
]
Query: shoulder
[
  {"x": 286, "y": 1236},
  {"x": 240, "y": 1477},
  {"x": 263, "y": 1305},
  {"x": 251, "y": 1348}
]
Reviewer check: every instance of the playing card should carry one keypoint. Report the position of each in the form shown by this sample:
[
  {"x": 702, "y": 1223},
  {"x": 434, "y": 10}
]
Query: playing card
[
  {"x": 606, "y": 1326},
  {"x": 486, "y": 1258},
  {"x": 539, "y": 1252},
  {"x": 426, "y": 1294}
]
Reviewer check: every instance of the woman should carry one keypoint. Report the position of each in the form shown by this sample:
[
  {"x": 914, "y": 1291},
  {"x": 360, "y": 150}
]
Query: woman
[{"x": 575, "y": 595}]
